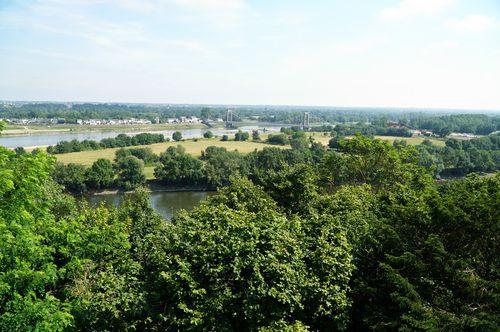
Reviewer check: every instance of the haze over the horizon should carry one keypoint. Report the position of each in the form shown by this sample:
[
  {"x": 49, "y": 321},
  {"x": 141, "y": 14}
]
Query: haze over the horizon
[{"x": 396, "y": 53}]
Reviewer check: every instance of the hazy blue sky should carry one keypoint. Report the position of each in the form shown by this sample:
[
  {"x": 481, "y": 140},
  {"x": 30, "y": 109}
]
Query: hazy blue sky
[{"x": 420, "y": 53}]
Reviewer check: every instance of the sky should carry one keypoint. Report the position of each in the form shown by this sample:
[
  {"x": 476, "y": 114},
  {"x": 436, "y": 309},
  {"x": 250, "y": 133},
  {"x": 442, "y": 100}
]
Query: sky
[{"x": 371, "y": 53}]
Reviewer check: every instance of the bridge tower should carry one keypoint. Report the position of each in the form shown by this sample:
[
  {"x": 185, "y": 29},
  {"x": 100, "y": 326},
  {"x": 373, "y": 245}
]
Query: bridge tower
[
  {"x": 229, "y": 119},
  {"x": 305, "y": 121}
]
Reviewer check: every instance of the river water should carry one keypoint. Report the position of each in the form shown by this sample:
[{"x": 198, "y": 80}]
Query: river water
[
  {"x": 166, "y": 203},
  {"x": 55, "y": 137}
]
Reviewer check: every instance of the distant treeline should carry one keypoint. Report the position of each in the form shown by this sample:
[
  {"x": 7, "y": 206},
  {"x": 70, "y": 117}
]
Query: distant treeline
[
  {"x": 119, "y": 141},
  {"x": 470, "y": 123},
  {"x": 463, "y": 123},
  {"x": 370, "y": 130},
  {"x": 458, "y": 158}
]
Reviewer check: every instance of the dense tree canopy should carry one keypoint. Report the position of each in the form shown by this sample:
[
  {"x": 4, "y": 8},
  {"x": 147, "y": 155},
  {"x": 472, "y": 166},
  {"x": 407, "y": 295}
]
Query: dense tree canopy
[
  {"x": 179, "y": 168},
  {"x": 358, "y": 237},
  {"x": 177, "y": 136},
  {"x": 121, "y": 140},
  {"x": 101, "y": 174},
  {"x": 130, "y": 172}
]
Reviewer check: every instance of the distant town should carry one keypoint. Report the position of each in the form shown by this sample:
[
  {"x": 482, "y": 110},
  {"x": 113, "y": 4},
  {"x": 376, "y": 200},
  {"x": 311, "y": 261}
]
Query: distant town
[{"x": 101, "y": 122}]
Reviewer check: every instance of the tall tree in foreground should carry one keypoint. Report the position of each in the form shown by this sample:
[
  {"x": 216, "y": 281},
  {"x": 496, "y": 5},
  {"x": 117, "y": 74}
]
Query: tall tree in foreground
[
  {"x": 236, "y": 263},
  {"x": 432, "y": 262},
  {"x": 28, "y": 298}
]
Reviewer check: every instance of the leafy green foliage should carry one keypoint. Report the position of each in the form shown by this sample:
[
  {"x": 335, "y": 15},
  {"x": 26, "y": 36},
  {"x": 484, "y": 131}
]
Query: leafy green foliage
[
  {"x": 72, "y": 177},
  {"x": 372, "y": 161},
  {"x": 177, "y": 136},
  {"x": 208, "y": 134},
  {"x": 358, "y": 237},
  {"x": 101, "y": 174},
  {"x": 145, "y": 154},
  {"x": 130, "y": 172},
  {"x": 241, "y": 136},
  {"x": 221, "y": 165},
  {"x": 428, "y": 265},
  {"x": 121, "y": 140},
  {"x": 179, "y": 168},
  {"x": 278, "y": 139},
  {"x": 237, "y": 263},
  {"x": 27, "y": 271}
]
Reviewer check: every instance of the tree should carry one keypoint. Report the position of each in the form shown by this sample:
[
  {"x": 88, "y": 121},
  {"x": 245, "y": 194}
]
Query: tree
[
  {"x": 103, "y": 288},
  {"x": 294, "y": 188},
  {"x": 279, "y": 139},
  {"x": 334, "y": 142},
  {"x": 372, "y": 161},
  {"x": 72, "y": 176},
  {"x": 29, "y": 275},
  {"x": 419, "y": 266},
  {"x": 208, "y": 134},
  {"x": 61, "y": 264},
  {"x": 205, "y": 113},
  {"x": 145, "y": 154},
  {"x": 179, "y": 168},
  {"x": 251, "y": 260},
  {"x": 20, "y": 150},
  {"x": 255, "y": 135},
  {"x": 130, "y": 172},
  {"x": 299, "y": 143},
  {"x": 221, "y": 165},
  {"x": 225, "y": 138},
  {"x": 101, "y": 174},
  {"x": 443, "y": 132},
  {"x": 177, "y": 136},
  {"x": 241, "y": 136},
  {"x": 236, "y": 262},
  {"x": 359, "y": 238}
]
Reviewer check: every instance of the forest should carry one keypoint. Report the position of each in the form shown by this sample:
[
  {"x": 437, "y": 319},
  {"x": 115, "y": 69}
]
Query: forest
[
  {"x": 434, "y": 120},
  {"x": 359, "y": 236}
]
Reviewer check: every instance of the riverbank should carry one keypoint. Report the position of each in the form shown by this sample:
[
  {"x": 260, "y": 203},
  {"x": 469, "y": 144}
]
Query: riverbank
[
  {"x": 165, "y": 203},
  {"x": 66, "y": 128},
  {"x": 153, "y": 187}
]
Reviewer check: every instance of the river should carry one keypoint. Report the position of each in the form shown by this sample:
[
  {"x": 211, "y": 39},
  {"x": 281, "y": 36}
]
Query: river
[
  {"x": 45, "y": 139},
  {"x": 166, "y": 203}
]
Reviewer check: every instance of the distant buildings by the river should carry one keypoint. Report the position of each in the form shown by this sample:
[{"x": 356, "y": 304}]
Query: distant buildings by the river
[
  {"x": 100, "y": 122},
  {"x": 34, "y": 121},
  {"x": 103, "y": 122},
  {"x": 184, "y": 119}
]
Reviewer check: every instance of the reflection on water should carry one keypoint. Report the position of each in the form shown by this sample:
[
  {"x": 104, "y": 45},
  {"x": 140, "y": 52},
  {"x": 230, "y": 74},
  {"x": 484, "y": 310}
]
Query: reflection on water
[{"x": 166, "y": 203}]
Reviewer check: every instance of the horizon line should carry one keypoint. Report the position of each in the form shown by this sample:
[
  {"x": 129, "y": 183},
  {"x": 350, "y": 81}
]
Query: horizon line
[{"x": 415, "y": 108}]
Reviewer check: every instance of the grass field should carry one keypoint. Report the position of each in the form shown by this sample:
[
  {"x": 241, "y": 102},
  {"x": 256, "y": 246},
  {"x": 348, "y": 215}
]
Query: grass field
[
  {"x": 413, "y": 140},
  {"x": 319, "y": 137},
  {"x": 192, "y": 147},
  {"x": 195, "y": 147}
]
